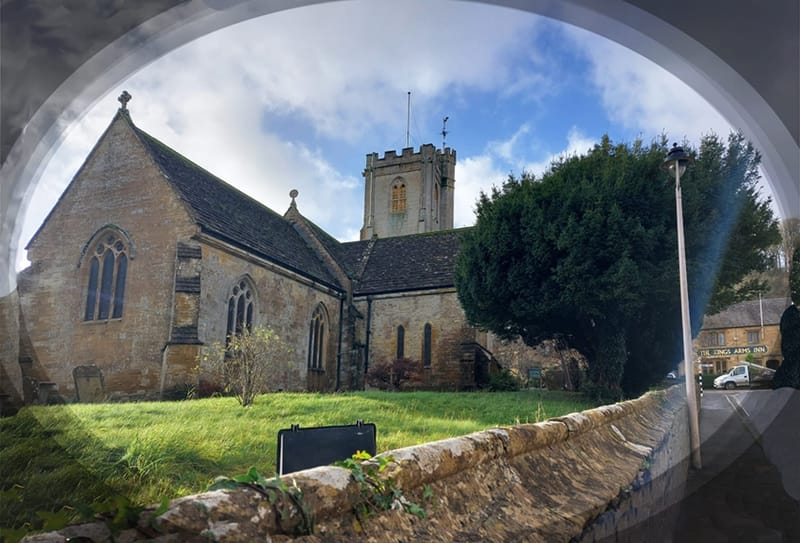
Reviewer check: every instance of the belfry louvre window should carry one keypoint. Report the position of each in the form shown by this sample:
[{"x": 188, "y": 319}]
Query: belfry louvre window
[
  {"x": 240, "y": 309},
  {"x": 316, "y": 339},
  {"x": 108, "y": 270},
  {"x": 398, "y": 197}
]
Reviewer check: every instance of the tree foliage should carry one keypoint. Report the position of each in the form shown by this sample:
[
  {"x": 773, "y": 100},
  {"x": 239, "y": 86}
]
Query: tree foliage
[
  {"x": 253, "y": 362},
  {"x": 590, "y": 252},
  {"x": 788, "y": 373}
]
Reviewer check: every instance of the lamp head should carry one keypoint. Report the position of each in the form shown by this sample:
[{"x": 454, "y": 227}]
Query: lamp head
[{"x": 676, "y": 157}]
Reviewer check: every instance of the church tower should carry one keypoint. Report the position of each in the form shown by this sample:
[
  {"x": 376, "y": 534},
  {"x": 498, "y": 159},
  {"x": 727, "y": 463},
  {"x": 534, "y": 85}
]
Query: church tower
[{"x": 410, "y": 193}]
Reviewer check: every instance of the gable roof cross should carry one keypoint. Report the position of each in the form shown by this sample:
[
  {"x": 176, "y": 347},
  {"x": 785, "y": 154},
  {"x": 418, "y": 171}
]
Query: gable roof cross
[{"x": 124, "y": 98}]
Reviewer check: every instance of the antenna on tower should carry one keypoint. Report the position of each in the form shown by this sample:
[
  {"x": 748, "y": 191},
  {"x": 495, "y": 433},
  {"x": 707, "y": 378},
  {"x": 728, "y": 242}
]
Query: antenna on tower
[
  {"x": 408, "y": 120},
  {"x": 444, "y": 131}
]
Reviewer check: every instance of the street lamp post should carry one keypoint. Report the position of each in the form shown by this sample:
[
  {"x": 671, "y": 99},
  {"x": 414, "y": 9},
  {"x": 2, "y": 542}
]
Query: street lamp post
[{"x": 676, "y": 163}]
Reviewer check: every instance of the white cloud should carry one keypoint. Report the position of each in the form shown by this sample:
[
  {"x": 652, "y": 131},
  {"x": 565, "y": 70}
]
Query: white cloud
[
  {"x": 642, "y": 96},
  {"x": 578, "y": 144},
  {"x": 473, "y": 174},
  {"x": 247, "y": 102},
  {"x": 501, "y": 158},
  {"x": 506, "y": 149}
]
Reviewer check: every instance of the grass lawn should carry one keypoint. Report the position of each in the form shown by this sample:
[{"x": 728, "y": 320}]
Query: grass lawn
[{"x": 72, "y": 455}]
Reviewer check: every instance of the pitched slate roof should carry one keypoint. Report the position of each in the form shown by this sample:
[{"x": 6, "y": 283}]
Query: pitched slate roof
[
  {"x": 405, "y": 263},
  {"x": 225, "y": 213},
  {"x": 398, "y": 264},
  {"x": 748, "y": 314}
]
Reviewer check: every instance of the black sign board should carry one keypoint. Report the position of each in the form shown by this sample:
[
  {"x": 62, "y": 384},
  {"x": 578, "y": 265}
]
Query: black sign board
[{"x": 303, "y": 448}]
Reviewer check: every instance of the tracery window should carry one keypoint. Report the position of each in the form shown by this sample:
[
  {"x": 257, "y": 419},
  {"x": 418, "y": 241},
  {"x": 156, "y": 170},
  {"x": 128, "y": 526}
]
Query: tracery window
[
  {"x": 401, "y": 339},
  {"x": 108, "y": 270},
  {"x": 398, "y": 196},
  {"x": 241, "y": 306},
  {"x": 317, "y": 334}
]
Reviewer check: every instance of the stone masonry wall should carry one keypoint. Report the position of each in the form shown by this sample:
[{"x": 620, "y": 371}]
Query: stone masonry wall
[
  {"x": 574, "y": 478},
  {"x": 118, "y": 185},
  {"x": 10, "y": 373},
  {"x": 412, "y": 311},
  {"x": 282, "y": 303}
]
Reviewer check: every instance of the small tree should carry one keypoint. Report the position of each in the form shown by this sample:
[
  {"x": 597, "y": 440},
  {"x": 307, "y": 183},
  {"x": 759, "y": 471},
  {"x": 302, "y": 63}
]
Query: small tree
[{"x": 253, "y": 362}]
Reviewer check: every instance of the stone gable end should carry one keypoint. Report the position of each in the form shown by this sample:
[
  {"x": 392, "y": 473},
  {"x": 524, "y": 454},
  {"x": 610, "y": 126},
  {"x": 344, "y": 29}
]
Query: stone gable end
[{"x": 118, "y": 185}]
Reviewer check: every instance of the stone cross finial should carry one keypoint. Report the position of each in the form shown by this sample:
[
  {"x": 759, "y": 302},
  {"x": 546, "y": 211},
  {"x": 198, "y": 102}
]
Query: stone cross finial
[
  {"x": 124, "y": 98},
  {"x": 293, "y": 194}
]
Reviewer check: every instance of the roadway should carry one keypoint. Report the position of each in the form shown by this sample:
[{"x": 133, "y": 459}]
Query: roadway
[{"x": 748, "y": 489}]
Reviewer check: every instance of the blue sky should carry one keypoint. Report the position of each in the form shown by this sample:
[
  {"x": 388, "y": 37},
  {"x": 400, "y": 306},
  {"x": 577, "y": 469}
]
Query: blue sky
[{"x": 296, "y": 99}]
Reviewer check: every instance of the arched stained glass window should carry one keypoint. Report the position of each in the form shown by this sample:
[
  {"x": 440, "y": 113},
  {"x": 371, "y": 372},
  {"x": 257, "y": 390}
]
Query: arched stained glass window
[
  {"x": 317, "y": 336},
  {"x": 108, "y": 270},
  {"x": 241, "y": 304}
]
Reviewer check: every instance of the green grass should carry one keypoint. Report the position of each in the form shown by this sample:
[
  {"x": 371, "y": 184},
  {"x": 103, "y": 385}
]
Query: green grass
[{"x": 68, "y": 456}]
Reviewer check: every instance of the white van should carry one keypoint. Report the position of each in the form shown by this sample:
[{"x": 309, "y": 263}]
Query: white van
[{"x": 745, "y": 375}]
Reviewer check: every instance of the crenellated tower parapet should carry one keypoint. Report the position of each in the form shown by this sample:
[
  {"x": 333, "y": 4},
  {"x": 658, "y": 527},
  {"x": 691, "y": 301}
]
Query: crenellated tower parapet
[{"x": 408, "y": 193}]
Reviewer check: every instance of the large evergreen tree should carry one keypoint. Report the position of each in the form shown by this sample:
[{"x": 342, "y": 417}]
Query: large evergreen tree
[{"x": 589, "y": 252}]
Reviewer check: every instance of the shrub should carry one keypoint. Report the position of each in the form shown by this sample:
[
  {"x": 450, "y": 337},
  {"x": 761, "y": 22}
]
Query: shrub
[
  {"x": 504, "y": 381},
  {"x": 253, "y": 362},
  {"x": 397, "y": 374}
]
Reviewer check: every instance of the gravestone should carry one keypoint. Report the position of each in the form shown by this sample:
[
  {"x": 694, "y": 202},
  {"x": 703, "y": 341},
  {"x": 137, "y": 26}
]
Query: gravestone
[
  {"x": 89, "y": 384},
  {"x": 303, "y": 448}
]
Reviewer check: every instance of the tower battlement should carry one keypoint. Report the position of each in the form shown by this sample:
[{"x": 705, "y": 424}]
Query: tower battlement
[
  {"x": 410, "y": 192},
  {"x": 409, "y": 154}
]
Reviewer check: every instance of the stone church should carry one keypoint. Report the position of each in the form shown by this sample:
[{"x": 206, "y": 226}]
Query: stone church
[{"x": 147, "y": 257}]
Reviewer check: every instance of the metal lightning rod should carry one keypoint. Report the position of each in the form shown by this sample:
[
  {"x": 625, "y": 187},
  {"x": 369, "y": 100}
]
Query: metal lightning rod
[{"x": 408, "y": 120}]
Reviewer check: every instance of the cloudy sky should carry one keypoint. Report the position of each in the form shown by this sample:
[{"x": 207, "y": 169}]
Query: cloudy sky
[{"x": 296, "y": 99}]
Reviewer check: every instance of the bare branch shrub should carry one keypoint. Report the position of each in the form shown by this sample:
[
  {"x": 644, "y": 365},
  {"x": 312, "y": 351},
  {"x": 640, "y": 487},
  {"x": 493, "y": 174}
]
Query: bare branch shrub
[
  {"x": 397, "y": 374},
  {"x": 254, "y": 362}
]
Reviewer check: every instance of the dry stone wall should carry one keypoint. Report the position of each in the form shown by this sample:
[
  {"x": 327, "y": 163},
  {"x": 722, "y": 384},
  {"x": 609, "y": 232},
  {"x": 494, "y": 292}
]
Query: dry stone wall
[{"x": 575, "y": 478}]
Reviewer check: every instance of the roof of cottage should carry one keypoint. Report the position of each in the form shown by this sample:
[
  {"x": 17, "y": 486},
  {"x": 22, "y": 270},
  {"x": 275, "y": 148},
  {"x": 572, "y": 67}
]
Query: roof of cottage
[{"x": 748, "y": 314}]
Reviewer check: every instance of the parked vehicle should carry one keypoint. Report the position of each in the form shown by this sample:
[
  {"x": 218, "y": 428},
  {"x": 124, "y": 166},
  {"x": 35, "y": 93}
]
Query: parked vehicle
[{"x": 745, "y": 375}]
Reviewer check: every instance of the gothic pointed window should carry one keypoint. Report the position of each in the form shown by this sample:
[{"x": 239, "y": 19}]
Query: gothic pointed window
[
  {"x": 317, "y": 337},
  {"x": 426, "y": 345},
  {"x": 401, "y": 342},
  {"x": 398, "y": 196},
  {"x": 241, "y": 307},
  {"x": 108, "y": 255}
]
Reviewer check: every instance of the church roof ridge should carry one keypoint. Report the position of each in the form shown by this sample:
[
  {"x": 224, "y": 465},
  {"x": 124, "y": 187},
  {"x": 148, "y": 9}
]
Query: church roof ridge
[
  {"x": 227, "y": 213},
  {"x": 410, "y": 263}
]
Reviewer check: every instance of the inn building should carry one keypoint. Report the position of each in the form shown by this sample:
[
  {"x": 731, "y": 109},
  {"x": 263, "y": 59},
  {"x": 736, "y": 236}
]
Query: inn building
[{"x": 745, "y": 332}]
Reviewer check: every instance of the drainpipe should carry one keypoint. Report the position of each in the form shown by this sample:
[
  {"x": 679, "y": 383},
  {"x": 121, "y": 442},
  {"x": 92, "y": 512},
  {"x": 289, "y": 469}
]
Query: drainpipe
[
  {"x": 366, "y": 342},
  {"x": 339, "y": 349}
]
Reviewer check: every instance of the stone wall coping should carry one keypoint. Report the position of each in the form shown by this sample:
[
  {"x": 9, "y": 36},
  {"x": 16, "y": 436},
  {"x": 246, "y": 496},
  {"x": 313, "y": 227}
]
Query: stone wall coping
[{"x": 331, "y": 493}]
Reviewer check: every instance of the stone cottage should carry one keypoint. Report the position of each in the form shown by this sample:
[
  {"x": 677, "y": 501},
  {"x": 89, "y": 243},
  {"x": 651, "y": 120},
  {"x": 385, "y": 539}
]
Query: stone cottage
[{"x": 146, "y": 257}]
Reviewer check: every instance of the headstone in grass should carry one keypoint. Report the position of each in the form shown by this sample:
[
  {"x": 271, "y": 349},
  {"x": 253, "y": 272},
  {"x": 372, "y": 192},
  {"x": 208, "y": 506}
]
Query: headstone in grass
[
  {"x": 89, "y": 384},
  {"x": 304, "y": 448}
]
